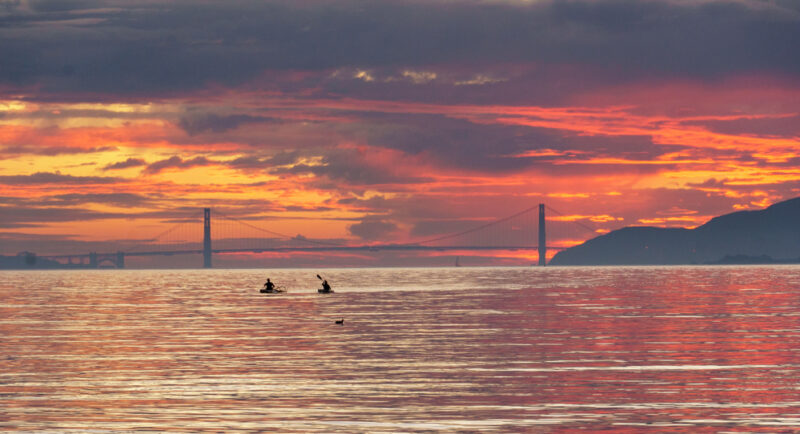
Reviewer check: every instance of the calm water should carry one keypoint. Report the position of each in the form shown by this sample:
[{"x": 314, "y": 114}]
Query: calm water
[{"x": 459, "y": 349}]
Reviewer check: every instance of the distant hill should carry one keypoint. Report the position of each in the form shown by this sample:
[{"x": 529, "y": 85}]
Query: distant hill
[{"x": 770, "y": 235}]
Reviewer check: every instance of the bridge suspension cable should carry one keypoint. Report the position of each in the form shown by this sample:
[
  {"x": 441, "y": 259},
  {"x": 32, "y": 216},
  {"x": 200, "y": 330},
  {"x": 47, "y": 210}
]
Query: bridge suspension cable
[
  {"x": 277, "y": 234},
  {"x": 477, "y": 228},
  {"x": 183, "y": 226}
]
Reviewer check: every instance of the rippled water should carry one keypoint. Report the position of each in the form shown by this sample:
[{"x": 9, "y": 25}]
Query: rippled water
[{"x": 458, "y": 349}]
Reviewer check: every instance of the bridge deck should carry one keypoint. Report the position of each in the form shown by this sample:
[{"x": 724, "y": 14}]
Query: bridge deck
[{"x": 367, "y": 248}]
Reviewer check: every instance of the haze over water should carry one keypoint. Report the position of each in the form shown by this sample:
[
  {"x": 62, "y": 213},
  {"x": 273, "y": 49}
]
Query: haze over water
[{"x": 505, "y": 349}]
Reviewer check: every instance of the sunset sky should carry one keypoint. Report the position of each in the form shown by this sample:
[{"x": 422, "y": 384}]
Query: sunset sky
[{"x": 389, "y": 121}]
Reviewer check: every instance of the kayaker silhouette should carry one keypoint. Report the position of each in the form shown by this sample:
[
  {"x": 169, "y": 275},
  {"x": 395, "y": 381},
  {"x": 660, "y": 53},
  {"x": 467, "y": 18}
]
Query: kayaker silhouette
[
  {"x": 326, "y": 287},
  {"x": 270, "y": 287}
]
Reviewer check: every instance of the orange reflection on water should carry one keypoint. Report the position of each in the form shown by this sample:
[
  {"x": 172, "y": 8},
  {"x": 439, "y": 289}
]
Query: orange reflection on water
[{"x": 512, "y": 349}]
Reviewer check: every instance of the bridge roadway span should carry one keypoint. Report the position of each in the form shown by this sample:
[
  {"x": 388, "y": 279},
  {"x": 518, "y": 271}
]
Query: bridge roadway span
[{"x": 366, "y": 248}]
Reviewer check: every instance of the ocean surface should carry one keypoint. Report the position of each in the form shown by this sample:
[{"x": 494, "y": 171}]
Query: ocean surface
[{"x": 659, "y": 349}]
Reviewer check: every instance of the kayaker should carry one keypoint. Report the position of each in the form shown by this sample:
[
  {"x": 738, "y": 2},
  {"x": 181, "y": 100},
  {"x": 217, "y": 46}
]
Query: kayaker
[
  {"x": 325, "y": 286},
  {"x": 269, "y": 286}
]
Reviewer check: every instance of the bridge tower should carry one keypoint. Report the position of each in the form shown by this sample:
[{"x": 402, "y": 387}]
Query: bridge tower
[
  {"x": 207, "y": 238},
  {"x": 542, "y": 238}
]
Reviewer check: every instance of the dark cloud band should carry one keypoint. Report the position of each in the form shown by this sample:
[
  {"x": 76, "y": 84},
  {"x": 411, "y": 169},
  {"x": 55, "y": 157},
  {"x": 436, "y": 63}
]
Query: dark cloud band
[{"x": 146, "y": 48}]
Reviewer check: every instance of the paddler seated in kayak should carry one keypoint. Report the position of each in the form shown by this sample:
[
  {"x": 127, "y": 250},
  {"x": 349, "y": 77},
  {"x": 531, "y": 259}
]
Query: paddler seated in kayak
[
  {"x": 325, "y": 286},
  {"x": 269, "y": 286}
]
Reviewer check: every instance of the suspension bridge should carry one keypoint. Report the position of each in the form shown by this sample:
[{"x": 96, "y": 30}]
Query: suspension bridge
[{"x": 513, "y": 233}]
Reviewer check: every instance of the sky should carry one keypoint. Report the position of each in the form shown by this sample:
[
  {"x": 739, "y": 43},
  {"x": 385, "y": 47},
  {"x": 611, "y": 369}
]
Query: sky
[{"x": 386, "y": 121}]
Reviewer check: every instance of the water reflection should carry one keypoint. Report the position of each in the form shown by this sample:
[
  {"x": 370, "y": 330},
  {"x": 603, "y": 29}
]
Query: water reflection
[{"x": 421, "y": 350}]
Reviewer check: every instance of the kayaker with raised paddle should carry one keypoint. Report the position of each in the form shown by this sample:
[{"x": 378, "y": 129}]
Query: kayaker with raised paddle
[{"x": 326, "y": 287}]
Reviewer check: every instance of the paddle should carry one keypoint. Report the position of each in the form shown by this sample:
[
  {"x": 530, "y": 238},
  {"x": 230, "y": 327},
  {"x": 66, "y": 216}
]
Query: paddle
[{"x": 323, "y": 286}]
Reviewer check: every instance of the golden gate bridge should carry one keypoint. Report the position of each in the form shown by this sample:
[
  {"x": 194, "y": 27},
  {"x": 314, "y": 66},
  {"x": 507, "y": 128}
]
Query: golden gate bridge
[{"x": 512, "y": 232}]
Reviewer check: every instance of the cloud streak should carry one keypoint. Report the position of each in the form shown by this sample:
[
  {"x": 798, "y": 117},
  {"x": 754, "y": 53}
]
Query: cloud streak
[
  {"x": 235, "y": 42},
  {"x": 176, "y": 162},
  {"x": 56, "y": 178},
  {"x": 130, "y": 162}
]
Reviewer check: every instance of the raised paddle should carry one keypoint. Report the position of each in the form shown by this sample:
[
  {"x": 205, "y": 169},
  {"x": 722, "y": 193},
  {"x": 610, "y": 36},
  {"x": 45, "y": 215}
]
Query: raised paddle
[{"x": 323, "y": 291}]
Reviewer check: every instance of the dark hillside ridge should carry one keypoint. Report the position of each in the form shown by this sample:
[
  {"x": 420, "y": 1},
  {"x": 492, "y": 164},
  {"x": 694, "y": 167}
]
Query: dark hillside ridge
[{"x": 747, "y": 236}]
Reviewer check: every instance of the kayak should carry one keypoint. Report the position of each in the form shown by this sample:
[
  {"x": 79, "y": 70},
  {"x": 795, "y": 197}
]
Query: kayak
[
  {"x": 267, "y": 291},
  {"x": 322, "y": 291}
]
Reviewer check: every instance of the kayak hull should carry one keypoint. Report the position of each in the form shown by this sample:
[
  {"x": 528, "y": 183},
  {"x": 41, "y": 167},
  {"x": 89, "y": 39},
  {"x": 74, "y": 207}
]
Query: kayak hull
[
  {"x": 322, "y": 291},
  {"x": 267, "y": 291}
]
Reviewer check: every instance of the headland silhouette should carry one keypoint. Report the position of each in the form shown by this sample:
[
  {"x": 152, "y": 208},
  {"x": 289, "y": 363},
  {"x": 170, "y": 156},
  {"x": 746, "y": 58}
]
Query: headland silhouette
[{"x": 770, "y": 235}]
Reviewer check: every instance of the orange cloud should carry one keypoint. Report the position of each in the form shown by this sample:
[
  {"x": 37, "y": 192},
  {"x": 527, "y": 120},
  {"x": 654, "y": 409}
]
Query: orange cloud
[{"x": 337, "y": 172}]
